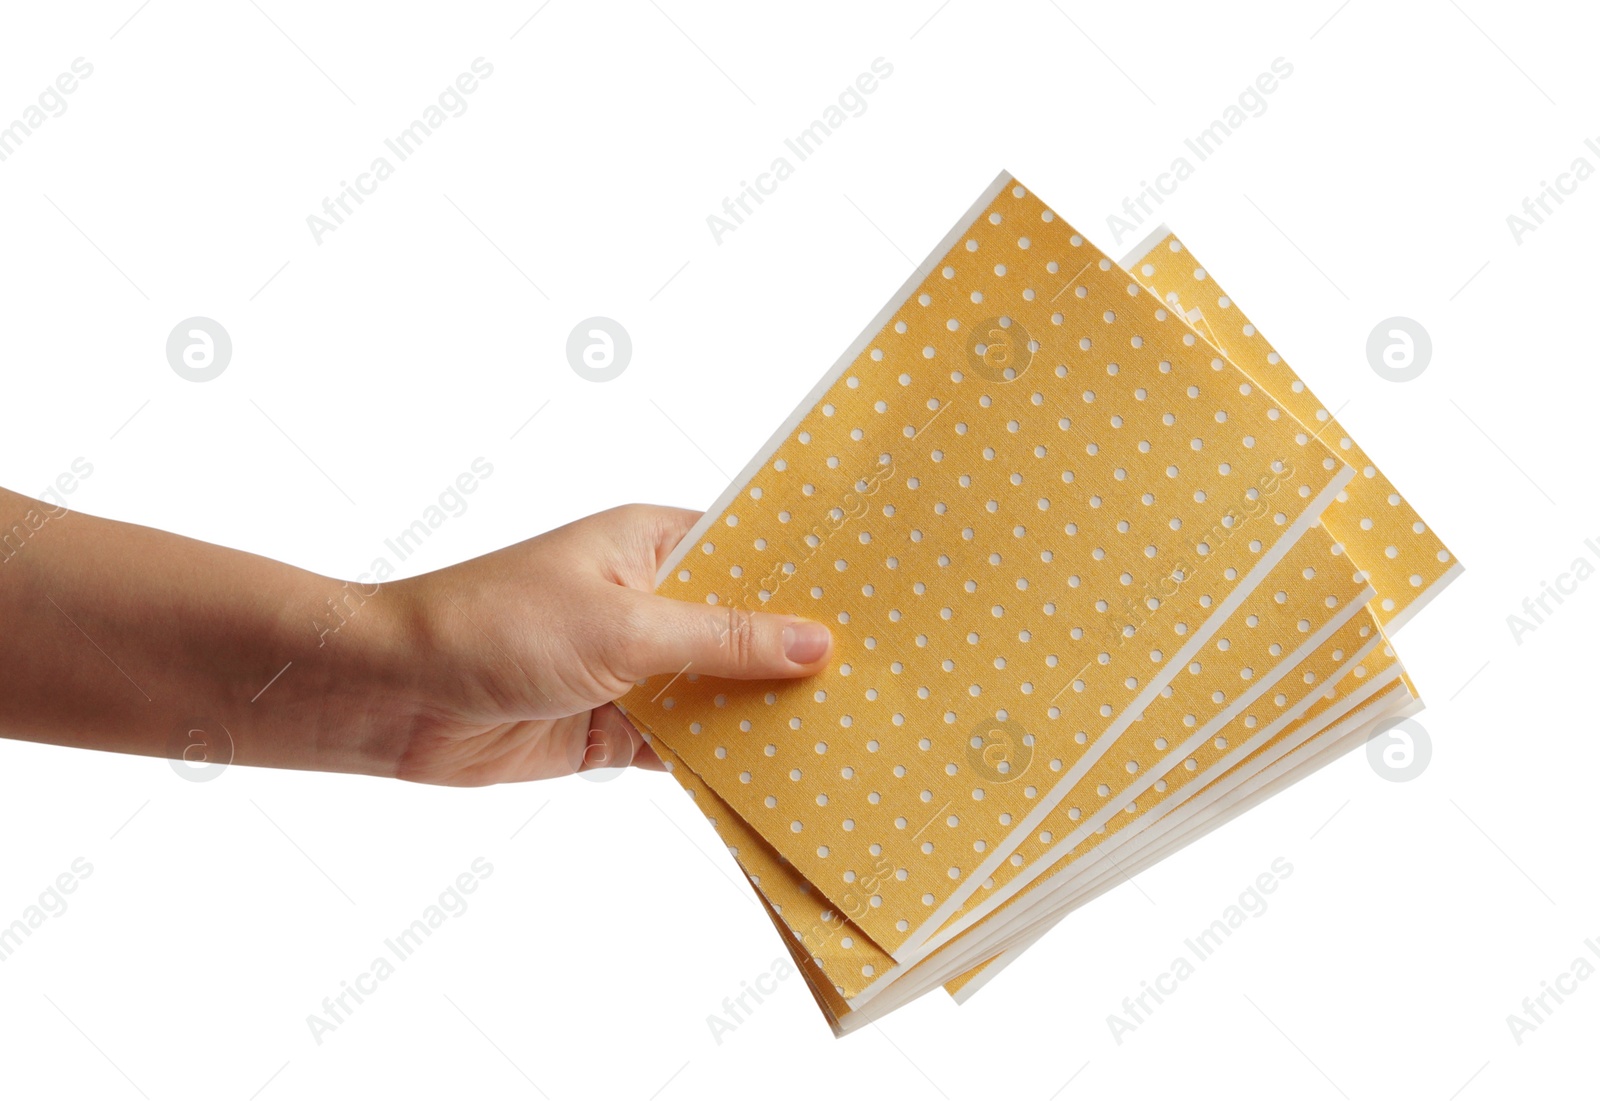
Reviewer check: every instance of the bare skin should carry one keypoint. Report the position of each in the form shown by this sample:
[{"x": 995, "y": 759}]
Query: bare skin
[{"x": 503, "y": 668}]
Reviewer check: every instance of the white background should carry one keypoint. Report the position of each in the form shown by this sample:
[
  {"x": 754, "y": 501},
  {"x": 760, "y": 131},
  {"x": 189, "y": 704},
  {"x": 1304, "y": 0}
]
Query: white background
[{"x": 426, "y": 331}]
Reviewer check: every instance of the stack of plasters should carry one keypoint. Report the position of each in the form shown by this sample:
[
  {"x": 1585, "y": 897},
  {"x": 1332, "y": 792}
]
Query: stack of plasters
[{"x": 1101, "y": 573}]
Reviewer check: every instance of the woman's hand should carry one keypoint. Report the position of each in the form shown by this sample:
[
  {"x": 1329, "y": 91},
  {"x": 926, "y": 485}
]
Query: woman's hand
[
  {"x": 535, "y": 640},
  {"x": 124, "y": 638}
]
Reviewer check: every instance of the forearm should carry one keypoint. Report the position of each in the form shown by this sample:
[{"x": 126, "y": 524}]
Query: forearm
[{"x": 120, "y": 637}]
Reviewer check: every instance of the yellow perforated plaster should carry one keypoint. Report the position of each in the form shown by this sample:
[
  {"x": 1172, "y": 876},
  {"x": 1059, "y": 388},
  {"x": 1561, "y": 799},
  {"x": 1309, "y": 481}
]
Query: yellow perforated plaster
[
  {"x": 1003, "y": 503},
  {"x": 839, "y": 948},
  {"x": 1302, "y": 602},
  {"x": 829, "y": 1000},
  {"x": 1293, "y": 696},
  {"x": 1042, "y": 901},
  {"x": 1280, "y": 627},
  {"x": 860, "y": 514},
  {"x": 1370, "y": 668},
  {"x": 1406, "y": 561}
]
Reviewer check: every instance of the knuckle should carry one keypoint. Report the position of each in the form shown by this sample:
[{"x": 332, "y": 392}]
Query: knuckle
[
  {"x": 738, "y": 639},
  {"x": 632, "y": 512},
  {"x": 629, "y": 632}
]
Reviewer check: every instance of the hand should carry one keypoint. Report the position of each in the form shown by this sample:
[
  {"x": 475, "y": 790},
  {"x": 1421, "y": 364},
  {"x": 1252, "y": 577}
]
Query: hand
[
  {"x": 501, "y": 668},
  {"x": 527, "y": 646}
]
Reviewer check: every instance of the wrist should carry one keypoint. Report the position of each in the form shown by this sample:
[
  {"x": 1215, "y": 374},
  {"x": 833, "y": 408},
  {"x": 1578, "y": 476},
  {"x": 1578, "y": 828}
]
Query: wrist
[{"x": 367, "y": 678}]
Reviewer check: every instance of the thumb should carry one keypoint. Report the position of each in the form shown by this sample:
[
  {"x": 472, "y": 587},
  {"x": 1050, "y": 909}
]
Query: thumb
[{"x": 676, "y": 636}]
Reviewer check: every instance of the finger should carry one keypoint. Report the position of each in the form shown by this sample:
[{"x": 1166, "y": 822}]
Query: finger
[
  {"x": 674, "y": 525},
  {"x": 610, "y": 718},
  {"x": 648, "y": 760},
  {"x": 643, "y": 755},
  {"x": 612, "y": 742},
  {"x": 655, "y": 529},
  {"x": 634, "y": 540},
  {"x": 677, "y": 636}
]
